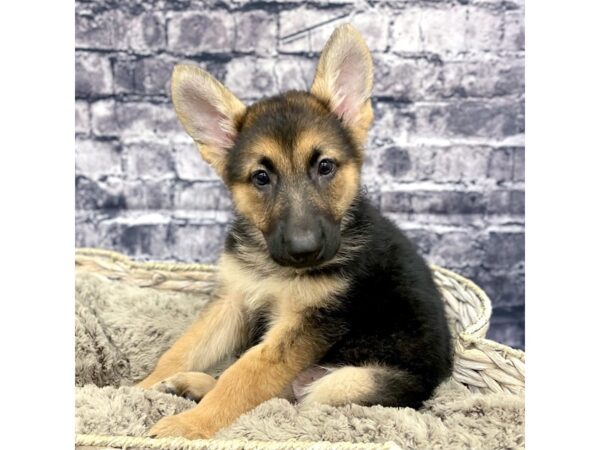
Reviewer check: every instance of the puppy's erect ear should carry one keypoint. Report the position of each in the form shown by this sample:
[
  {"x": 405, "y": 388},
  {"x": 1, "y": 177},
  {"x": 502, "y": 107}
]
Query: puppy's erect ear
[
  {"x": 208, "y": 111},
  {"x": 344, "y": 79}
]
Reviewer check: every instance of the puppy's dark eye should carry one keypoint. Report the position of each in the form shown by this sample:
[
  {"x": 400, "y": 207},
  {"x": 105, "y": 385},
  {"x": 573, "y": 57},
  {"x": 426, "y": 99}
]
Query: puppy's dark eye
[
  {"x": 326, "y": 166},
  {"x": 260, "y": 178}
]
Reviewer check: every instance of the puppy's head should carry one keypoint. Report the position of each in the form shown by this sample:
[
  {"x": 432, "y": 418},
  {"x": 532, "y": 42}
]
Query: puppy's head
[{"x": 292, "y": 162}]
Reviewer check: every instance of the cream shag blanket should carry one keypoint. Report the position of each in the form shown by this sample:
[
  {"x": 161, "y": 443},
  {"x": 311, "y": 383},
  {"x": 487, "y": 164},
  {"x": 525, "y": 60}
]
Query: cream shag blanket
[{"x": 122, "y": 330}]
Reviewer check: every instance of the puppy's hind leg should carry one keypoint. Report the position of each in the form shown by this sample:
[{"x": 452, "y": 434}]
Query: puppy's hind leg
[{"x": 367, "y": 386}]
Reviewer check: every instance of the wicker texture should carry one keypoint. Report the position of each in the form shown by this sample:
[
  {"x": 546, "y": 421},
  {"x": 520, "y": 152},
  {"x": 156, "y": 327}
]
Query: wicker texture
[{"x": 481, "y": 364}]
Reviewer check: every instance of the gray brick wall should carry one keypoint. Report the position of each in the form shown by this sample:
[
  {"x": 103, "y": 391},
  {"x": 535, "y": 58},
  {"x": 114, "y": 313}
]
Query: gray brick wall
[{"x": 445, "y": 156}]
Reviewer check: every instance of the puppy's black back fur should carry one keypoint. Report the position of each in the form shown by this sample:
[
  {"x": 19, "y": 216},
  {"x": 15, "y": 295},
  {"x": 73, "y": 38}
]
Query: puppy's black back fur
[{"x": 393, "y": 310}]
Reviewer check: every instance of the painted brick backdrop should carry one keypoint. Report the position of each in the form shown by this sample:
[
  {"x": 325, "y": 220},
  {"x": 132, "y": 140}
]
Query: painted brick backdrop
[{"x": 445, "y": 156}]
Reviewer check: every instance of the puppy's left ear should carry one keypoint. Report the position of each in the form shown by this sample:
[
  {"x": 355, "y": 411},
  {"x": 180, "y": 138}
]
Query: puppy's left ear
[{"x": 344, "y": 80}]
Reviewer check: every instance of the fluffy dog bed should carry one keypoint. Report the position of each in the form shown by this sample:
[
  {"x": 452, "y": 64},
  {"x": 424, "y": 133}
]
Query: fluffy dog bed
[{"x": 122, "y": 329}]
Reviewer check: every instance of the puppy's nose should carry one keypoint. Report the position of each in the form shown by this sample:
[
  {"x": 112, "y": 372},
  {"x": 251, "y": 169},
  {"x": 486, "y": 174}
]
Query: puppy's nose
[{"x": 304, "y": 247}]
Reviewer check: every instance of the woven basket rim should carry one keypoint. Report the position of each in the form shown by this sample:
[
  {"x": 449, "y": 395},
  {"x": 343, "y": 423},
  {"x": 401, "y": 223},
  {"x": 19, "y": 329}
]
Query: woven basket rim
[{"x": 172, "y": 266}]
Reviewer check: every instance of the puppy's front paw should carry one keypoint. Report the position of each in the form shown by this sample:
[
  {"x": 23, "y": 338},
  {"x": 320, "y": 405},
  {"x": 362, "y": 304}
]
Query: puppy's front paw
[
  {"x": 167, "y": 386},
  {"x": 191, "y": 385},
  {"x": 176, "y": 426}
]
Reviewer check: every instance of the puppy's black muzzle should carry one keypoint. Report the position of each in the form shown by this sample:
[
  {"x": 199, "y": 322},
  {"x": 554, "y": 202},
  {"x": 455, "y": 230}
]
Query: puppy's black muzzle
[
  {"x": 304, "y": 248},
  {"x": 304, "y": 242}
]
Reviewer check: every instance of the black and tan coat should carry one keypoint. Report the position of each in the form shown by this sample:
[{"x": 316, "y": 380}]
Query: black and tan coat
[{"x": 317, "y": 290}]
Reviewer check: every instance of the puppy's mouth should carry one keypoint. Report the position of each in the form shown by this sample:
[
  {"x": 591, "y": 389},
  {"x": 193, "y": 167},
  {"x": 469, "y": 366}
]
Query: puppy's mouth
[
  {"x": 299, "y": 263},
  {"x": 309, "y": 260}
]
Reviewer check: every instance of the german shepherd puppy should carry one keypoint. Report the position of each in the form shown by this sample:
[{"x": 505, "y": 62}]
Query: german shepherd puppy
[{"x": 316, "y": 289}]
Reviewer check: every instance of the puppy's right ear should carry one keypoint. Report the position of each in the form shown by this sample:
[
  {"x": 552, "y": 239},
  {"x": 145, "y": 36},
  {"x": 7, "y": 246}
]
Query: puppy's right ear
[{"x": 208, "y": 111}]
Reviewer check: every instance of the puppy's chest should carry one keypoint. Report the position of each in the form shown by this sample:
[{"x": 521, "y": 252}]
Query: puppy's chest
[{"x": 276, "y": 292}]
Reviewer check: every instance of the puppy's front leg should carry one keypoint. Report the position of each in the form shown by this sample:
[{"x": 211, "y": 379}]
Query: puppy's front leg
[
  {"x": 219, "y": 331},
  {"x": 260, "y": 374}
]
